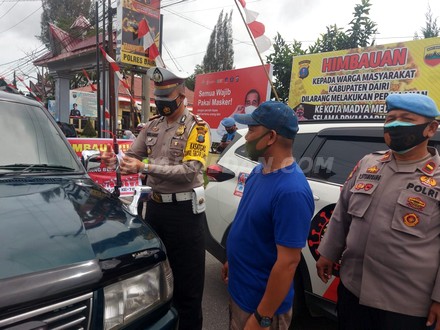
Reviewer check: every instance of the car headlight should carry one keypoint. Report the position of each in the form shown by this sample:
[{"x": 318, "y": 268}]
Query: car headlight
[{"x": 129, "y": 299}]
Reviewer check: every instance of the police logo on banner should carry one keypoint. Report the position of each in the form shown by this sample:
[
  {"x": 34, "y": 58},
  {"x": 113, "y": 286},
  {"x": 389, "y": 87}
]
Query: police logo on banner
[
  {"x": 432, "y": 55},
  {"x": 304, "y": 68}
]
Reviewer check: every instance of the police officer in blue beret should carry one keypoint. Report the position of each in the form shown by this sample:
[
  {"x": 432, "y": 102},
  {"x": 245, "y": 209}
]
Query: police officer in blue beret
[
  {"x": 230, "y": 127},
  {"x": 385, "y": 228}
]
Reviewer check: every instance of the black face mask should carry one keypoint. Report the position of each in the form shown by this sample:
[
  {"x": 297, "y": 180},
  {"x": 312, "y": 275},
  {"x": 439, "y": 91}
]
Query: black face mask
[
  {"x": 404, "y": 138},
  {"x": 167, "y": 107}
]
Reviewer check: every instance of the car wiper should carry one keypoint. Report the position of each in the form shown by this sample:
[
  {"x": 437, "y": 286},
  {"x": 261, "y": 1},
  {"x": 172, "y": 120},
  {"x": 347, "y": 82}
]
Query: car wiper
[{"x": 18, "y": 169}]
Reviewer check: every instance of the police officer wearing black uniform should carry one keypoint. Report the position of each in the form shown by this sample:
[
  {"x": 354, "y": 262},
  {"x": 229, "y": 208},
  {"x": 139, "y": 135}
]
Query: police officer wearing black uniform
[{"x": 172, "y": 150}]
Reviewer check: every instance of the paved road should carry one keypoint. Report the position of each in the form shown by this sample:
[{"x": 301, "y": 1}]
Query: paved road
[
  {"x": 215, "y": 297},
  {"x": 215, "y": 303}
]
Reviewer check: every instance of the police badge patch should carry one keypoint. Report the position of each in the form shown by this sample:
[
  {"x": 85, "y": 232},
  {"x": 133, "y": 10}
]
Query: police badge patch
[{"x": 157, "y": 76}]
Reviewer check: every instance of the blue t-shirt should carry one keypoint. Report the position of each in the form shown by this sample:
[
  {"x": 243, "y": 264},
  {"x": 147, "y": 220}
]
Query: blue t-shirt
[
  {"x": 276, "y": 208},
  {"x": 228, "y": 137}
]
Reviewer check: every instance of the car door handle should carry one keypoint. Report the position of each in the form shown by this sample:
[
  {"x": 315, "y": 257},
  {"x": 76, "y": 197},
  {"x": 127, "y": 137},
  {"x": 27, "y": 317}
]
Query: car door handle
[{"x": 316, "y": 198}]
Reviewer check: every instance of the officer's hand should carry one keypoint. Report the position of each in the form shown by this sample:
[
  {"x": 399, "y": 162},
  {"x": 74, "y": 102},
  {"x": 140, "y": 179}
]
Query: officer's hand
[
  {"x": 434, "y": 316},
  {"x": 108, "y": 157},
  {"x": 225, "y": 271},
  {"x": 130, "y": 165},
  {"x": 324, "y": 268}
]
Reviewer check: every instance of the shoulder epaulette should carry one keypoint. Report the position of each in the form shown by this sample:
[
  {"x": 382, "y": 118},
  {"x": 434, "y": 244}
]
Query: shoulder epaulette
[
  {"x": 154, "y": 117},
  {"x": 198, "y": 119}
]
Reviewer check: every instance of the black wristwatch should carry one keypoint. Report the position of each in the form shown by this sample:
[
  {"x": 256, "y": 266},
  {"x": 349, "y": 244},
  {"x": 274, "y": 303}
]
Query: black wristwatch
[{"x": 264, "y": 321}]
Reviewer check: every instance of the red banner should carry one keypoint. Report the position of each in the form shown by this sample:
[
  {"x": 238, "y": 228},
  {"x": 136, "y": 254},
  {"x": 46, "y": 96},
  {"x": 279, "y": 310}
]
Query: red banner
[
  {"x": 222, "y": 94},
  {"x": 102, "y": 175}
]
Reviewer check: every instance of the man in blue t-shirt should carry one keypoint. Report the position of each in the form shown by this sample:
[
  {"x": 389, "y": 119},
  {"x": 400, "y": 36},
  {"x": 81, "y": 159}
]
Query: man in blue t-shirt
[
  {"x": 229, "y": 125},
  {"x": 271, "y": 225}
]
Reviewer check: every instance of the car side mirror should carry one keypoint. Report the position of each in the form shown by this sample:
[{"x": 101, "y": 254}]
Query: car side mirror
[
  {"x": 91, "y": 159},
  {"x": 219, "y": 173}
]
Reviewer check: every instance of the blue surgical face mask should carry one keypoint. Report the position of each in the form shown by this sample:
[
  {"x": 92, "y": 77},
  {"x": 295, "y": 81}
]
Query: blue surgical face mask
[{"x": 404, "y": 136}]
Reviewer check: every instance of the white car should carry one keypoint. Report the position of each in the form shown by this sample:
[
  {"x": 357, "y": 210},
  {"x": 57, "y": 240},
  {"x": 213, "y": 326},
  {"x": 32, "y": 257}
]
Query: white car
[{"x": 326, "y": 152}]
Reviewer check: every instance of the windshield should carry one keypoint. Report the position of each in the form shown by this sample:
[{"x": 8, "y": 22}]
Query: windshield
[{"x": 30, "y": 143}]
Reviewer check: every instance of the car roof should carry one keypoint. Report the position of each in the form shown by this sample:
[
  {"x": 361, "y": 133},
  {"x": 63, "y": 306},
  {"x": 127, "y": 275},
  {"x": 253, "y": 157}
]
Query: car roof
[
  {"x": 343, "y": 128},
  {"x": 18, "y": 98}
]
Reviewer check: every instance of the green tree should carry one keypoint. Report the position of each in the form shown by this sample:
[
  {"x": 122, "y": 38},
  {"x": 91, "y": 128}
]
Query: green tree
[
  {"x": 360, "y": 33},
  {"x": 190, "y": 82},
  {"x": 89, "y": 130},
  {"x": 281, "y": 60},
  {"x": 431, "y": 28},
  {"x": 62, "y": 14},
  {"x": 333, "y": 39},
  {"x": 220, "y": 53}
]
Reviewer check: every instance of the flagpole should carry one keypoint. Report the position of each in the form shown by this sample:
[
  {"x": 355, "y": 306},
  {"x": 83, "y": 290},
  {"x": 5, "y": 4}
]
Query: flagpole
[{"x": 256, "y": 48}]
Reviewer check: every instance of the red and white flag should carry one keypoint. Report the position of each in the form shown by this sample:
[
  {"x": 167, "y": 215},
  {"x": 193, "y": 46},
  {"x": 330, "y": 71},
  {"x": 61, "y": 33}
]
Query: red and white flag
[
  {"x": 116, "y": 70},
  {"x": 257, "y": 29},
  {"x": 93, "y": 87},
  {"x": 144, "y": 32},
  {"x": 30, "y": 90}
]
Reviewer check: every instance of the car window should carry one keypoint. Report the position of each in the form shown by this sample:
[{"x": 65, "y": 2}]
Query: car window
[
  {"x": 301, "y": 143},
  {"x": 337, "y": 157},
  {"x": 28, "y": 137}
]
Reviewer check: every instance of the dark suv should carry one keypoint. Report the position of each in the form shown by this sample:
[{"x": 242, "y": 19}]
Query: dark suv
[{"x": 72, "y": 255}]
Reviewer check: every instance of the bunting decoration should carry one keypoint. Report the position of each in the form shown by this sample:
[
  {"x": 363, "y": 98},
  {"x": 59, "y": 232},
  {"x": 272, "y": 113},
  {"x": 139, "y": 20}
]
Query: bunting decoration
[
  {"x": 117, "y": 71},
  {"x": 144, "y": 32},
  {"x": 30, "y": 90},
  {"x": 257, "y": 29},
  {"x": 93, "y": 87}
]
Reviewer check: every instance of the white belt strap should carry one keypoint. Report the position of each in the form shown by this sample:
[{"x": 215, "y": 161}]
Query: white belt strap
[{"x": 168, "y": 198}]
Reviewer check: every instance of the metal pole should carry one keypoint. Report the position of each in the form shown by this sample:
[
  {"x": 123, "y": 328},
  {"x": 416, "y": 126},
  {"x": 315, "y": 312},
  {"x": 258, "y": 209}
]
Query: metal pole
[
  {"x": 104, "y": 63},
  {"x": 98, "y": 87},
  {"x": 256, "y": 48},
  {"x": 111, "y": 76}
]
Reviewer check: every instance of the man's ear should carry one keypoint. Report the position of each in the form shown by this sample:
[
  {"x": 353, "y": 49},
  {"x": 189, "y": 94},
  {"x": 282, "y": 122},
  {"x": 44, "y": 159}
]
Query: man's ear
[
  {"x": 273, "y": 136},
  {"x": 432, "y": 128}
]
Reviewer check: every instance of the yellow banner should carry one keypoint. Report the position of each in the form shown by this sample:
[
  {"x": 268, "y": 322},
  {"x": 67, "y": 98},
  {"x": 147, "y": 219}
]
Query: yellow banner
[{"x": 353, "y": 84}]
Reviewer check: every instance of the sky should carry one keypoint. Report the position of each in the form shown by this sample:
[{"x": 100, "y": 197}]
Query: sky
[{"x": 188, "y": 26}]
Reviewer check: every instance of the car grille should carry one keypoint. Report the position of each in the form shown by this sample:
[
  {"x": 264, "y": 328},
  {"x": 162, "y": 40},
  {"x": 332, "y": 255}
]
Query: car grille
[{"x": 72, "y": 314}]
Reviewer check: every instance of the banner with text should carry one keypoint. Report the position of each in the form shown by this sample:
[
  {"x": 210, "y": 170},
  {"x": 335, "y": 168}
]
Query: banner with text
[
  {"x": 353, "y": 84},
  {"x": 85, "y": 101},
  {"x": 129, "y": 48},
  {"x": 222, "y": 94},
  {"x": 102, "y": 175}
]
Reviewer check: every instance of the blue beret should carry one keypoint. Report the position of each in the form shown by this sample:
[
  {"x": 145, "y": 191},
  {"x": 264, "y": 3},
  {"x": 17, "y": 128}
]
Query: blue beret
[
  {"x": 273, "y": 115},
  {"x": 416, "y": 103},
  {"x": 228, "y": 122}
]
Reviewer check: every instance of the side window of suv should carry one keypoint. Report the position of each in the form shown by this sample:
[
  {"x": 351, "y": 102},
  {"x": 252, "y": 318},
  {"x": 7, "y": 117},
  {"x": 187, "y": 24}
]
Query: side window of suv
[{"x": 337, "y": 157}]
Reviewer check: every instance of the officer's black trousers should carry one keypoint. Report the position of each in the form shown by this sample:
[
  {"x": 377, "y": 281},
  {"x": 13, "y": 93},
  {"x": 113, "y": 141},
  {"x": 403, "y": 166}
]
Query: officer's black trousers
[
  {"x": 182, "y": 232},
  {"x": 354, "y": 316}
]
